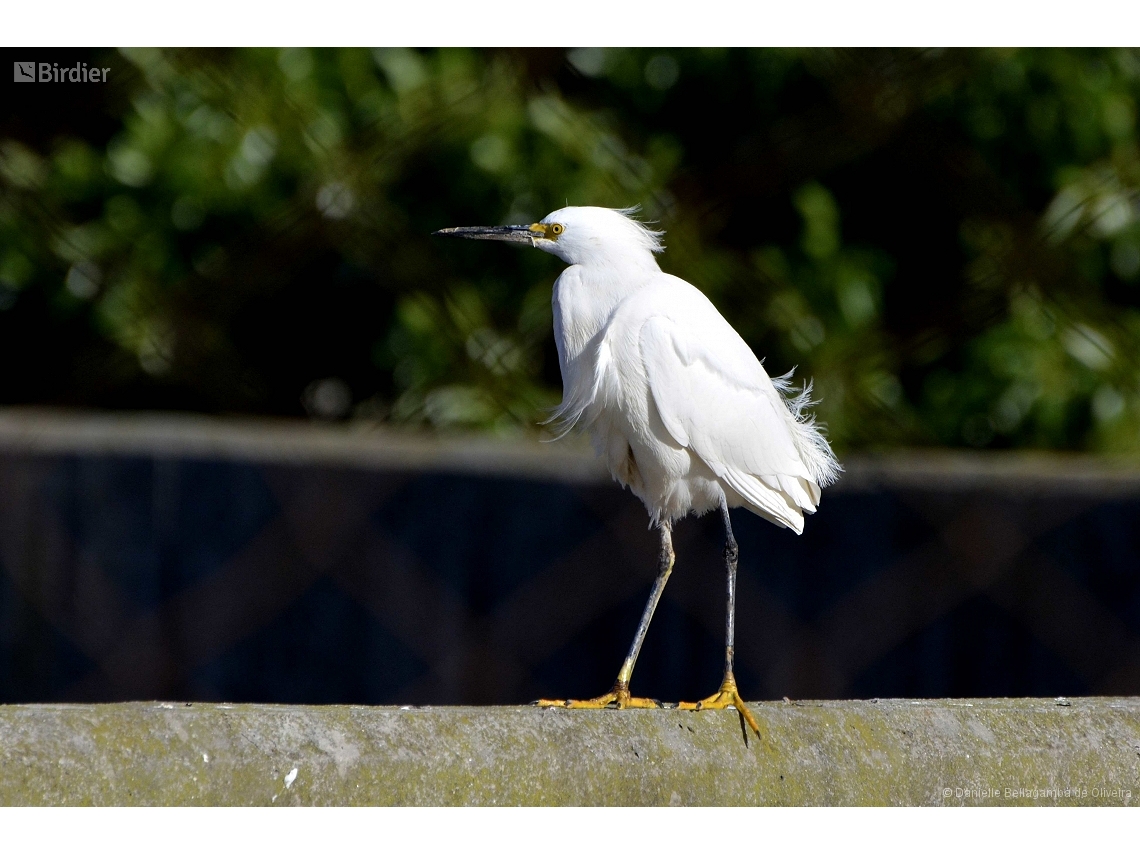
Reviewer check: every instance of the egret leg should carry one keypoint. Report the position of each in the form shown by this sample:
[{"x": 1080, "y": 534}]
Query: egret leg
[
  {"x": 727, "y": 696},
  {"x": 619, "y": 695}
]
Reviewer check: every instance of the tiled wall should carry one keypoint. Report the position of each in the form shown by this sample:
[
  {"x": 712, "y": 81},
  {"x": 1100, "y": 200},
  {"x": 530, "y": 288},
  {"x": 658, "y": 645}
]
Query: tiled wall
[{"x": 140, "y": 577}]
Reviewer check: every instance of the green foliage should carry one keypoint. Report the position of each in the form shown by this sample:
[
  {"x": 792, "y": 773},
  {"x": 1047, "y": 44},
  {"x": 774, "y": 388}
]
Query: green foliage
[{"x": 948, "y": 242}]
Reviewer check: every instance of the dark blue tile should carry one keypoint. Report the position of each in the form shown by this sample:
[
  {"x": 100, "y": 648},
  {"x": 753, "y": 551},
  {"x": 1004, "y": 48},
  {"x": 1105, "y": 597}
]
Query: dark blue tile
[
  {"x": 37, "y": 662},
  {"x": 484, "y": 536},
  {"x": 325, "y": 649},
  {"x": 157, "y": 526},
  {"x": 1101, "y": 550},
  {"x": 976, "y": 650},
  {"x": 851, "y": 538}
]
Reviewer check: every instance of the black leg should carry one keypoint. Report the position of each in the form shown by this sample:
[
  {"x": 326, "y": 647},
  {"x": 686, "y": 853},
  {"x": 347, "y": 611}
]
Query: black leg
[
  {"x": 664, "y": 569},
  {"x": 728, "y": 695},
  {"x": 731, "y": 555}
]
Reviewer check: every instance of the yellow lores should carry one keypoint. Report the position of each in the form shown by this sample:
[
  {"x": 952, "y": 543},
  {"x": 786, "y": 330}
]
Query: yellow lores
[
  {"x": 676, "y": 403},
  {"x": 550, "y": 231}
]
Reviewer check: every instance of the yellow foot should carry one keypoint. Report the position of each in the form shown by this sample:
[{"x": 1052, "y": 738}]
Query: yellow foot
[
  {"x": 727, "y": 697},
  {"x": 618, "y": 698}
]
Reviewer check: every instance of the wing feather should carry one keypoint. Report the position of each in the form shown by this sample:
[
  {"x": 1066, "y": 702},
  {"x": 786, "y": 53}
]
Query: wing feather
[{"x": 719, "y": 402}]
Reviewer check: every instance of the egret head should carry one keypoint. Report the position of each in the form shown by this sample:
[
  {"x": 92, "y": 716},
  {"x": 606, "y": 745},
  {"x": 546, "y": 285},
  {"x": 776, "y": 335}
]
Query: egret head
[{"x": 582, "y": 235}]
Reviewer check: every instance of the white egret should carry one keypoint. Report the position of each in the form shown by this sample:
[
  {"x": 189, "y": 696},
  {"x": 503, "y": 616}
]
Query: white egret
[{"x": 674, "y": 400}]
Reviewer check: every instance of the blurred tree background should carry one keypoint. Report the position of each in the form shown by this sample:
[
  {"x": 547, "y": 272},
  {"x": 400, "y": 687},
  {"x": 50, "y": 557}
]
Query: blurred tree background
[{"x": 947, "y": 241}]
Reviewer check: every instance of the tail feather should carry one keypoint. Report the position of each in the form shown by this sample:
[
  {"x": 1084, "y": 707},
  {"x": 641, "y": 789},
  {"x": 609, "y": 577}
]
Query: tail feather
[
  {"x": 810, "y": 439},
  {"x": 771, "y": 504}
]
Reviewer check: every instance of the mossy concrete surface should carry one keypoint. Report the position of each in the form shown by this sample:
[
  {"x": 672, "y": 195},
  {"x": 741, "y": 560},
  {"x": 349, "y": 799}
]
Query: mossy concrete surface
[{"x": 1083, "y": 751}]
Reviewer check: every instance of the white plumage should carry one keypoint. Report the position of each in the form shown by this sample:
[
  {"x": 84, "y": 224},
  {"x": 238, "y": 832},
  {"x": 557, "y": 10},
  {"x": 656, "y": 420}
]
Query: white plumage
[
  {"x": 673, "y": 399},
  {"x": 676, "y": 403}
]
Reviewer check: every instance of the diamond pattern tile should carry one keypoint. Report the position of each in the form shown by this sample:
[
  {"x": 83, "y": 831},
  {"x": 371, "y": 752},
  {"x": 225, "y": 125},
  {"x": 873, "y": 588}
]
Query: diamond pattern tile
[{"x": 132, "y": 576}]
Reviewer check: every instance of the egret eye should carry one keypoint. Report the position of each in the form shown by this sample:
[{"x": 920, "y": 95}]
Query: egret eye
[{"x": 556, "y": 229}]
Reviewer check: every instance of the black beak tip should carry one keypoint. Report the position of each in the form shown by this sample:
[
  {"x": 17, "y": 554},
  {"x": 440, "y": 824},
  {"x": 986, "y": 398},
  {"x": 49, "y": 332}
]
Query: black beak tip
[{"x": 511, "y": 234}]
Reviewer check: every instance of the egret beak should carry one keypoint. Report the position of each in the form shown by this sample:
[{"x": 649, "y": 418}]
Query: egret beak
[{"x": 511, "y": 234}]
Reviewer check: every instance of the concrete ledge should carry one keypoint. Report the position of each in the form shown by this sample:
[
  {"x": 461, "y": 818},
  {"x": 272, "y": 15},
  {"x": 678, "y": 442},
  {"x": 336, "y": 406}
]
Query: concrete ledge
[
  {"x": 294, "y": 442},
  {"x": 363, "y": 445},
  {"x": 1028, "y": 751}
]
